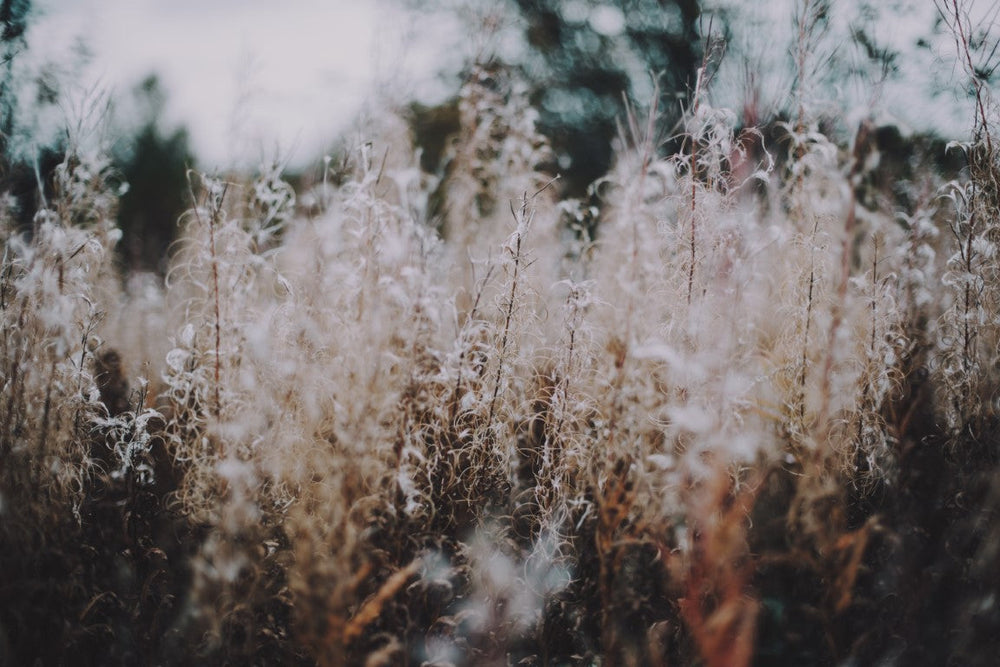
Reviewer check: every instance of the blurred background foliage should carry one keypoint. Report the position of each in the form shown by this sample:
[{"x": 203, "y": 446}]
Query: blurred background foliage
[
  {"x": 583, "y": 63},
  {"x": 149, "y": 159},
  {"x": 585, "y": 59},
  {"x": 153, "y": 161}
]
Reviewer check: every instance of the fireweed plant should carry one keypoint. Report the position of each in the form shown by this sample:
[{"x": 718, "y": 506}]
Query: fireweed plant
[{"x": 722, "y": 413}]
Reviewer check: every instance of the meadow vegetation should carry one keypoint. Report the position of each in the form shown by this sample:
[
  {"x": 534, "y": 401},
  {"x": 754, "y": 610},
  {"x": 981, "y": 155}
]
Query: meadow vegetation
[{"x": 739, "y": 406}]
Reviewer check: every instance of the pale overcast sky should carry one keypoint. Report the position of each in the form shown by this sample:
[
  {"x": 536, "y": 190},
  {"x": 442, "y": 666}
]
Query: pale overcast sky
[{"x": 245, "y": 76}]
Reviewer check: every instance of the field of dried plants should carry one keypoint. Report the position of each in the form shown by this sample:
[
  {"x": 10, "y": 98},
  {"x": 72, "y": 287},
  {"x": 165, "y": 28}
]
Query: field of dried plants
[{"x": 738, "y": 407}]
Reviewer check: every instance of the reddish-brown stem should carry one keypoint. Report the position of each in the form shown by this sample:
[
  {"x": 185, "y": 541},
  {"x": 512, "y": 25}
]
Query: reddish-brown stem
[
  {"x": 509, "y": 315},
  {"x": 218, "y": 316}
]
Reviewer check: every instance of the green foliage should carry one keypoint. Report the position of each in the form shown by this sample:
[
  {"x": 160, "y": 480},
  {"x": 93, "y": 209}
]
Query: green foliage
[
  {"x": 13, "y": 19},
  {"x": 154, "y": 165},
  {"x": 584, "y": 67}
]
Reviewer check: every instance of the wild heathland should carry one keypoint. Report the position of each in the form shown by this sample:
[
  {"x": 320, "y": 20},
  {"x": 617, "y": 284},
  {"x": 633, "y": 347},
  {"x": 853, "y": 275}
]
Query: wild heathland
[{"x": 733, "y": 409}]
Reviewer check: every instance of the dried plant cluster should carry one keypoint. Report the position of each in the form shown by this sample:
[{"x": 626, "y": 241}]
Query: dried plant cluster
[{"x": 729, "y": 411}]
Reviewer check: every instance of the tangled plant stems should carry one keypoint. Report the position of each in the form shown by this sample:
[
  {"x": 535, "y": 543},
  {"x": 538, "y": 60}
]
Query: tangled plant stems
[{"x": 739, "y": 423}]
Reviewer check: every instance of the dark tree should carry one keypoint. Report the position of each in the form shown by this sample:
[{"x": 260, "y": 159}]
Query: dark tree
[
  {"x": 583, "y": 60},
  {"x": 586, "y": 57},
  {"x": 16, "y": 178},
  {"x": 13, "y": 23},
  {"x": 154, "y": 164}
]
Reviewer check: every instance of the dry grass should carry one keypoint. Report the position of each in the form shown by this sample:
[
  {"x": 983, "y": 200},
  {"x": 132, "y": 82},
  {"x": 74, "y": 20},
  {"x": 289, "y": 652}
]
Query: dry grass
[{"x": 751, "y": 421}]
